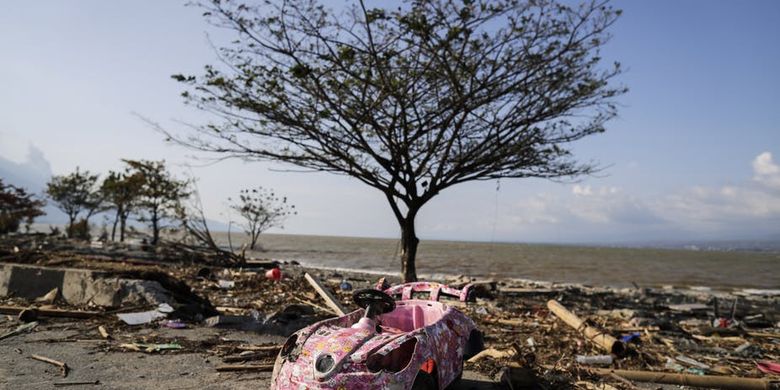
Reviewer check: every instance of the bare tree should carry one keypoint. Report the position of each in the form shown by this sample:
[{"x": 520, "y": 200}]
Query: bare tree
[
  {"x": 409, "y": 101},
  {"x": 261, "y": 210}
]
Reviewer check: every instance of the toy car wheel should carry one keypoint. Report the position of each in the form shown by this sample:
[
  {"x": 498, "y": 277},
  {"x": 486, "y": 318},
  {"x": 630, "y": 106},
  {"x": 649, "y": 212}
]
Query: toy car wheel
[
  {"x": 474, "y": 345},
  {"x": 424, "y": 381}
]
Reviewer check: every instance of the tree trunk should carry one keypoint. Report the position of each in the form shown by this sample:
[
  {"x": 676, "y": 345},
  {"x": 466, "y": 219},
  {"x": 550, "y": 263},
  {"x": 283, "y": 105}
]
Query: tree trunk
[
  {"x": 116, "y": 220},
  {"x": 155, "y": 228},
  {"x": 69, "y": 228},
  {"x": 409, "y": 243},
  {"x": 122, "y": 224}
]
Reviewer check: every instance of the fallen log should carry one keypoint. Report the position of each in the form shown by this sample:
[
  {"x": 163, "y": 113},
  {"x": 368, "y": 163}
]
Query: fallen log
[
  {"x": 609, "y": 343},
  {"x": 332, "y": 302},
  {"x": 707, "y": 381},
  {"x": 245, "y": 367},
  {"x": 15, "y": 310}
]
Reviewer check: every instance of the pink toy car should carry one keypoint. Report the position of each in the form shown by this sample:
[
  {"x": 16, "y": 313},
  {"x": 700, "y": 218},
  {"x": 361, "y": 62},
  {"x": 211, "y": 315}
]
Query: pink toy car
[{"x": 408, "y": 344}]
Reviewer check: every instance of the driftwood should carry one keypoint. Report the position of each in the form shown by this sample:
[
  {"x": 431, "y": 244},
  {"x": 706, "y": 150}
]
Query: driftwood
[
  {"x": 609, "y": 343},
  {"x": 332, "y": 302},
  {"x": 707, "y": 381},
  {"x": 63, "y": 367}
]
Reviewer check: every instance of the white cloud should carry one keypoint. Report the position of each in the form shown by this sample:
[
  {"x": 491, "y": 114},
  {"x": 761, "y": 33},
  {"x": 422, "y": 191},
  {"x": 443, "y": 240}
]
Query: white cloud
[
  {"x": 746, "y": 207},
  {"x": 765, "y": 171}
]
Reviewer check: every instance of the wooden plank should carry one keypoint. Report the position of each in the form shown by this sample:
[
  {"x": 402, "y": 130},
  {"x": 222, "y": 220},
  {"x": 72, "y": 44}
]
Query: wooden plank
[
  {"x": 331, "y": 301},
  {"x": 14, "y": 310},
  {"x": 609, "y": 343}
]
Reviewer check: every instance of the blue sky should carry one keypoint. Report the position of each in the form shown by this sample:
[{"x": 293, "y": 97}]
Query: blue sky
[{"x": 694, "y": 153}]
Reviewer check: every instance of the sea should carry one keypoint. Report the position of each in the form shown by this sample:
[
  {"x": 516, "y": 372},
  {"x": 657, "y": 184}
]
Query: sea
[{"x": 607, "y": 265}]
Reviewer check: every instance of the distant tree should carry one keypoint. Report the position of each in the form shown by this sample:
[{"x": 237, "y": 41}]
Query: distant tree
[
  {"x": 160, "y": 194},
  {"x": 261, "y": 210},
  {"x": 121, "y": 191},
  {"x": 17, "y": 206},
  {"x": 411, "y": 100},
  {"x": 74, "y": 194}
]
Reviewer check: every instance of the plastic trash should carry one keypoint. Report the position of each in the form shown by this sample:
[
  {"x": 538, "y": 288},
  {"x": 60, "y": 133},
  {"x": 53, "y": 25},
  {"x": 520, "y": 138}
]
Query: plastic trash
[
  {"x": 345, "y": 286},
  {"x": 596, "y": 360},
  {"x": 692, "y": 362},
  {"x": 768, "y": 367},
  {"x": 226, "y": 284},
  {"x": 631, "y": 338},
  {"x": 174, "y": 324},
  {"x": 672, "y": 364},
  {"x": 274, "y": 274}
]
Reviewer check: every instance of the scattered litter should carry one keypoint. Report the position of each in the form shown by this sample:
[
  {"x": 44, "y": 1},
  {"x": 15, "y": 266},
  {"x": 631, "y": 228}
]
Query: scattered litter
[
  {"x": 50, "y": 297},
  {"x": 609, "y": 343},
  {"x": 227, "y": 320},
  {"x": 687, "y": 307},
  {"x": 595, "y": 360},
  {"x": 19, "y": 330},
  {"x": 146, "y": 317},
  {"x": 149, "y": 348},
  {"x": 226, "y": 284},
  {"x": 345, "y": 286},
  {"x": 174, "y": 324},
  {"x": 245, "y": 367},
  {"x": 768, "y": 367},
  {"x": 85, "y": 383},
  {"x": 630, "y": 338},
  {"x": 274, "y": 274},
  {"x": 692, "y": 362},
  {"x": 672, "y": 364}
]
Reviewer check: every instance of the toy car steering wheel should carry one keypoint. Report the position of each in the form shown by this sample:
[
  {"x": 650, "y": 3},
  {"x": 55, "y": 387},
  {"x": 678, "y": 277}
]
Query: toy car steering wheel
[{"x": 376, "y": 302}]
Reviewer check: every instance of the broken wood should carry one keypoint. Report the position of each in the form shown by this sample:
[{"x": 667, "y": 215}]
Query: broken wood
[
  {"x": 609, "y": 343},
  {"x": 245, "y": 367},
  {"x": 249, "y": 356},
  {"x": 84, "y": 383},
  {"x": 707, "y": 381},
  {"x": 19, "y": 330},
  {"x": 63, "y": 367},
  {"x": 494, "y": 353},
  {"x": 274, "y": 347},
  {"x": 41, "y": 312},
  {"x": 332, "y": 302},
  {"x": 104, "y": 332},
  {"x": 312, "y": 304}
]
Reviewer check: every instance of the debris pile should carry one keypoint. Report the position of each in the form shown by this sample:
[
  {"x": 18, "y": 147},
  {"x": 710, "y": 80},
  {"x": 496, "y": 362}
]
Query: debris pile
[{"x": 537, "y": 335}]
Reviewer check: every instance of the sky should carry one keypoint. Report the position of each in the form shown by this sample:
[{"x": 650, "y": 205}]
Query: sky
[{"x": 693, "y": 155}]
